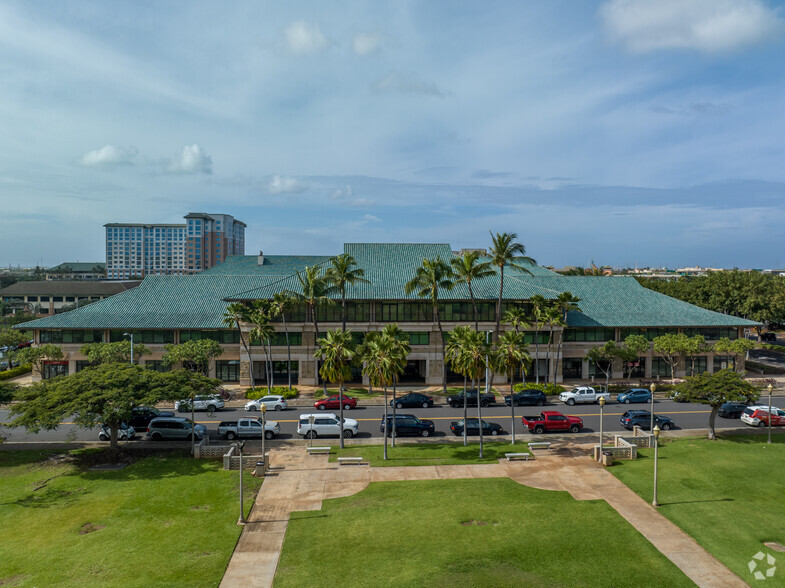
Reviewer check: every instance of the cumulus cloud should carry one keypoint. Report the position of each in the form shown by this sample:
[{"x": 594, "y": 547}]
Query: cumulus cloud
[
  {"x": 341, "y": 193},
  {"x": 367, "y": 43},
  {"x": 372, "y": 218},
  {"x": 702, "y": 25},
  {"x": 193, "y": 160},
  {"x": 397, "y": 82},
  {"x": 303, "y": 38},
  {"x": 285, "y": 185},
  {"x": 110, "y": 155}
]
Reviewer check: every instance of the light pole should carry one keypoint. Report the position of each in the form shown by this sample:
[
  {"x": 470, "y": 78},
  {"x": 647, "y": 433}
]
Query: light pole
[
  {"x": 602, "y": 405},
  {"x": 132, "y": 345},
  {"x": 312, "y": 418},
  {"x": 263, "y": 408},
  {"x": 656, "y": 446},
  {"x": 652, "y": 388},
  {"x": 770, "y": 388},
  {"x": 241, "y": 520}
]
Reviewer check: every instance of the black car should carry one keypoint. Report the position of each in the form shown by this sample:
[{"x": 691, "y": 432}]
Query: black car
[
  {"x": 472, "y": 429},
  {"x": 731, "y": 410},
  {"x": 142, "y": 415},
  {"x": 642, "y": 418},
  {"x": 768, "y": 336},
  {"x": 456, "y": 400},
  {"x": 411, "y": 400},
  {"x": 407, "y": 424},
  {"x": 528, "y": 397}
]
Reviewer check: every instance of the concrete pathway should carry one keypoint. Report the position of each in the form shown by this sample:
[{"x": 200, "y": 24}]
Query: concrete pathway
[{"x": 300, "y": 482}]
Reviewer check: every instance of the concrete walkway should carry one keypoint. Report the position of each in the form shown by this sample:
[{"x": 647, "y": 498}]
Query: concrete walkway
[{"x": 300, "y": 482}]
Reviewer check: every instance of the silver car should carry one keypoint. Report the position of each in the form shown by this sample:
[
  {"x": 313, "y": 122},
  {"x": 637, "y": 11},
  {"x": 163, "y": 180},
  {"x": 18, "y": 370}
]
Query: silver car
[
  {"x": 173, "y": 428},
  {"x": 210, "y": 403},
  {"x": 272, "y": 402}
]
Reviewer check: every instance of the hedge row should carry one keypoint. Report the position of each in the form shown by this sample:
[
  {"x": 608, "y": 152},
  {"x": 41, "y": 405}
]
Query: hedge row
[
  {"x": 549, "y": 389},
  {"x": 261, "y": 391},
  {"x": 16, "y": 372}
]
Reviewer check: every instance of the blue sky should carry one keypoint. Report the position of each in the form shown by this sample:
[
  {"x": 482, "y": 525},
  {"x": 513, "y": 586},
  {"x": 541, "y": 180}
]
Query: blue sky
[{"x": 628, "y": 132}]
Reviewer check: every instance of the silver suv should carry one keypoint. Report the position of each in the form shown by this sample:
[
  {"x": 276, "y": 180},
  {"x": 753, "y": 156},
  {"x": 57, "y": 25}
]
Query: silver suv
[
  {"x": 210, "y": 403},
  {"x": 173, "y": 428}
]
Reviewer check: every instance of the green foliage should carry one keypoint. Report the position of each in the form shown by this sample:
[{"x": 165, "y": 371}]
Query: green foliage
[
  {"x": 15, "y": 319},
  {"x": 256, "y": 393},
  {"x": 7, "y": 390},
  {"x": 550, "y": 389},
  {"x": 12, "y": 337},
  {"x": 117, "y": 352},
  {"x": 19, "y": 370},
  {"x": 36, "y": 356},
  {"x": 763, "y": 368},
  {"x": 467, "y": 351},
  {"x": 197, "y": 353},
  {"x": 338, "y": 351}
]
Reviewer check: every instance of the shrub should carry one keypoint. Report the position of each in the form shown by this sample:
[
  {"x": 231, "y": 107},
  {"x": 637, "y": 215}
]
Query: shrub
[
  {"x": 15, "y": 372},
  {"x": 549, "y": 389},
  {"x": 280, "y": 390}
]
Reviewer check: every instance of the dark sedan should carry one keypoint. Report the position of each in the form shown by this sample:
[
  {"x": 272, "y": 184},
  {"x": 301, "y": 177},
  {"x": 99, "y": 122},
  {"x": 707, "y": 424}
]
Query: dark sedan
[
  {"x": 731, "y": 410},
  {"x": 412, "y": 400},
  {"x": 142, "y": 415},
  {"x": 634, "y": 395},
  {"x": 472, "y": 429},
  {"x": 642, "y": 418},
  {"x": 408, "y": 424},
  {"x": 528, "y": 397}
]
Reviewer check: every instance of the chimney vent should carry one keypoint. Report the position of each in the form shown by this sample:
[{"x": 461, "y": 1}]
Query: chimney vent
[{"x": 260, "y": 259}]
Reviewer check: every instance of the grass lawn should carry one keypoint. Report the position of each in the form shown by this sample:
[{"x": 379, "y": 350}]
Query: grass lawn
[
  {"x": 418, "y": 454},
  {"x": 358, "y": 393},
  {"x": 163, "y": 521},
  {"x": 491, "y": 532},
  {"x": 729, "y": 495}
]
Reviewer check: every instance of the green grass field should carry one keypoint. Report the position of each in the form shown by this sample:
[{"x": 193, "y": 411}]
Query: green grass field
[
  {"x": 418, "y": 454},
  {"x": 163, "y": 521},
  {"x": 490, "y": 532},
  {"x": 729, "y": 495}
]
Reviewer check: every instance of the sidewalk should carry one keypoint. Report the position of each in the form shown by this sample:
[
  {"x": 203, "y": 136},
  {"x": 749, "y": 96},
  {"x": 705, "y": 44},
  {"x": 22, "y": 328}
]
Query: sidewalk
[{"x": 299, "y": 481}]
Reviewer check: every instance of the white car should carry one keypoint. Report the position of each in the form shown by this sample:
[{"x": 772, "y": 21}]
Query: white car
[
  {"x": 751, "y": 414},
  {"x": 325, "y": 425},
  {"x": 271, "y": 402},
  {"x": 209, "y": 403}
]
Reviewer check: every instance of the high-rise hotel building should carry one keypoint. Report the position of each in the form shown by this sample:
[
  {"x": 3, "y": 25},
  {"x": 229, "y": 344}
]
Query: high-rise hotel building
[{"x": 136, "y": 250}]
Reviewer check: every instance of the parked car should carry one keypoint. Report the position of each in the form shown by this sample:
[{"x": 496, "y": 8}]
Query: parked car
[
  {"x": 527, "y": 397},
  {"x": 634, "y": 395},
  {"x": 210, "y": 403},
  {"x": 326, "y": 425},
  {"x": 758, "y": 416},
  {"x": 171, "y": 428},
  {"x": 768, "y": 336},
  {"x": 142, "y": 415},
  {"x": 551, "y": 420},
  {"x": 731, "y": 410},
  {"x": 248, "y": 428},
  {"x": 407, "y": 424},
  {"x": 472, "y": 427},
  {"x": 412, "y": 400},
  {"x": 273, "y": 402},
  {"x": 124, "y": 433},
  {"x": 642, "y": 418},
  {"x": 677, "y": 397},
  {"x": 334, "y": 402},
  {"x": 456, "y": 400},
  {"x": 583, "y": 395}
]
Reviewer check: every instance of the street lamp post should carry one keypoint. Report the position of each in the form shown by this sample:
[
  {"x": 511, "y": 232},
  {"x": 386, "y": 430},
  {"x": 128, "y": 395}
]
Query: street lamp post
[
  {"x": 602, "y": 405},
  {"x": 656, "y": 446},
  {"x": 770, "y": 388},
  {"x": 263, "y": 408},
  {"x": 312, "y": 418},
  {"x": 132, "y": 345},
  {"x": 241, "y": 520},
  {"x": 652, "y": 388}
]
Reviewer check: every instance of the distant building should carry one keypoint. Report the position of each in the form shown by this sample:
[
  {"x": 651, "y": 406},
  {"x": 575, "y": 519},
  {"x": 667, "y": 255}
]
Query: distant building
[
  {"x": 77, "y": 271},
  {"x": 138, "y": 250},
  {"x": 44, "y": 298}
]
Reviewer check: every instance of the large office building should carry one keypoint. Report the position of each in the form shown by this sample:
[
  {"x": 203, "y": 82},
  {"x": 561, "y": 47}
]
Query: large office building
[
  {"x": 167, "y": 309},
  {"x": 138, "y": 250}
]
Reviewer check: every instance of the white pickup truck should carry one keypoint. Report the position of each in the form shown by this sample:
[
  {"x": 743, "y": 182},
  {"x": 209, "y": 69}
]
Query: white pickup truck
[
  {"x": 246, "y": 428},
  {"x": 583, "y": 395}
]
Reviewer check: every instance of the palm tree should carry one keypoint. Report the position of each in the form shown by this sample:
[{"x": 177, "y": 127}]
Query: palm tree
[
  {"x": 341, "y": 273},
  {"x": 565, "y": 302},
  {"x": 338, "y": 352},
  {"x": 377, "y": 355},
  {"x": 551, "y": 317},
  {"x": 263, "y": 331},
  {"x": 235, "y": 314},
  {"x": 279, "y": 306},
  {"x": 517, "y": 318},
  {"x": 455, "y": 346},
  {"x": 511, "y": 353},
  {"x": 399, "y": 349},
  {"x": 466, "y": 268},
  {"x": 505, "y": 251},
  {"x": 432, "y": 275},
  {"x": 538, "y": 304}
]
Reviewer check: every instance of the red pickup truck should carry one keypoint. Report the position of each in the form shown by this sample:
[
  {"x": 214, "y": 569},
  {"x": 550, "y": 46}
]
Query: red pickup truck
[{"x": 551, "y": 420}]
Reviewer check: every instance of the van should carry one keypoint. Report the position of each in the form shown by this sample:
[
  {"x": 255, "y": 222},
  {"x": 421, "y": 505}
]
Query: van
[{"x": 173, "y": 428}]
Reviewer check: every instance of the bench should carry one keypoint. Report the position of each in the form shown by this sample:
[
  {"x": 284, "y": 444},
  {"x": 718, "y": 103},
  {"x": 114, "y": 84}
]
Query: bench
[
  {"x": 540, "y": 445},
  {"x": 312, "y": 450},
  {"x": 523, "y": 456},
  {"x": 344, "y": 460}
]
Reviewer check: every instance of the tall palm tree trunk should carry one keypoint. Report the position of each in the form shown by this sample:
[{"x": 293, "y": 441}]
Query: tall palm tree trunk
[
  {"x": 288, "y": 352},
  {"x": 537, "y": 350},
  {"x": 394, "y": 421},
  {"x": 479, "y": 413},
  {"x": 248, "y": 353},
  {"x": 386, "y": 423},
  {"x": 340, "y": 409},
  {"x": 465, "y": 412},
  {"x": 474, "y": 306},
  {"x": 324, "y": 382},
  {"x": 343, "y": 308},
  {"x": 512, "y": 408},
  {"x": 444, "y": 350}
]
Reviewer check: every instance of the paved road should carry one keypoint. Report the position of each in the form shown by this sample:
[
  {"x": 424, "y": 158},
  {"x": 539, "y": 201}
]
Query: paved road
[{"x": 686, "y": 416}]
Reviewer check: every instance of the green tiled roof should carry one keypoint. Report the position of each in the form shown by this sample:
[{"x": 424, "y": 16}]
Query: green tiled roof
[
  {"x": 78, "y": 266},
  {"x": 198, "y": 301}
]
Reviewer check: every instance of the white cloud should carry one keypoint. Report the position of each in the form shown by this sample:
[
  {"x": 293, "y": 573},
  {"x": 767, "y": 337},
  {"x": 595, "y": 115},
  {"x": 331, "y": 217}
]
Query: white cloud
[
  {"x": 406, "y": 84},
  {"x": 367, "y": 43},
  {"x": 110, "y": 155},
  {"x": 703, "y": 25},
  {"x": 285, "y": 185},
  {"x": 303, "y": 38},
  {"x": 372, "y": 218},
  {"x": 360, "y": 202},
  {"x": 193, "y": 160},
  {"x": 340, "y": 194}
]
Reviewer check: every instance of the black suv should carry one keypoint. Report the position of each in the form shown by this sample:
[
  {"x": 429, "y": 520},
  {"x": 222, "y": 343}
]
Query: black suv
[
  {"x": 527, "y": 397},
  {"x": 768, "y": 336},
  {"x": 142, "y": 415},
  {"x": 413, "y": 399},
  {"x": 407, "y": 424},
  {"x": 642, "y": 418},
  {"x": 731, "y": 410},
  {"x": 456, "y": 400}
]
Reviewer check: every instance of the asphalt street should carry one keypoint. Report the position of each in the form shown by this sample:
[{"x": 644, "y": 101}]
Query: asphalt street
[{"x": 685, "y": 416}]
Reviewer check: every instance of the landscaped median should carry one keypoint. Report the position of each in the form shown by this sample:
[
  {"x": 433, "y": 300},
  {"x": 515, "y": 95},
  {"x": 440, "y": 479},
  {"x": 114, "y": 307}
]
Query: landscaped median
[
  {"x": 165, "y": 520},
  {"x": 430, "y": 454},
  {"x": 727, "y": 494}
]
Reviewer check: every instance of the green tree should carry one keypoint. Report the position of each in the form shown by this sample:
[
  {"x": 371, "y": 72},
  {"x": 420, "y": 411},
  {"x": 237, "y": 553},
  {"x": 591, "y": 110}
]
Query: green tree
[
  {"x": 197, "y": 355},
  {"x": 538, "y": 305},
  {"x": 314, "y": 291},
  {"x": 263, "y": 331},
  {"x": 7, "y": 391},
  {"x": 433, "y": 275},
  {"x": 672, "y": 348},
  {"x": 237, "y": 313},
  {"x": 343, "y": 272},
  {"x": 602, "y": 357},
  {"x": 736, "y": 347},
  {"x": 338, "y": 352},
  {"x": 467, "y": 268},
  {"x": 399, "y": 350},
  {"x": 509, "y": 355},
  {"x": 552, "y": 317},
  {"x": 566, "y": 302},
  {"x": 279, "y": 306},
  {"x": 116, "y": 352},
  {"x": 505, "y": 251},
  {"x": 37, "y": 357},
  {"x": 12, "y": 337},
  {"x": 378, "y": 359},
  {"x": 634, "y": 346},
  {"x": 715, "y": 390},
  {"x": 694, "y": 346}
]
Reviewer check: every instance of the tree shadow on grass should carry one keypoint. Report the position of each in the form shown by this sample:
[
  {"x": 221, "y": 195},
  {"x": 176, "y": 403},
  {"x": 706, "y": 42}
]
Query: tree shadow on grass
[
  {"x": 697, "y": 501},
  {"x": 757, "y": 439},
  {"x": 50, "y": 498}
]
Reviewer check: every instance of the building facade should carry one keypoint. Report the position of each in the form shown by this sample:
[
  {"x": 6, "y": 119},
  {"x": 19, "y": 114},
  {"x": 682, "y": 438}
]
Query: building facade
[{"x": 138, "y": 250}]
